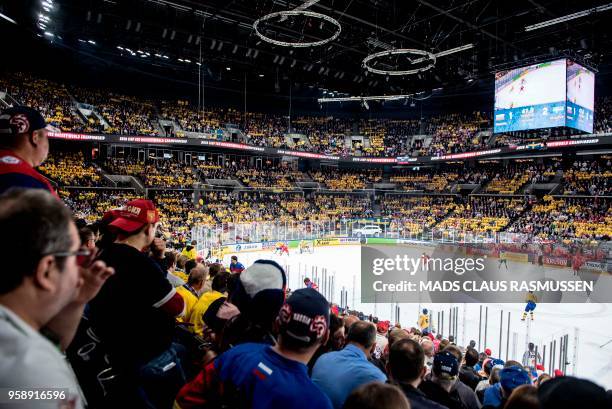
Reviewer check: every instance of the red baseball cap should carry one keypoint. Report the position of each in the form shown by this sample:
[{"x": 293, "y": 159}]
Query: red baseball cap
[
  {"x": 134, "y": 215},
  {"x": 488, "y": 352}
]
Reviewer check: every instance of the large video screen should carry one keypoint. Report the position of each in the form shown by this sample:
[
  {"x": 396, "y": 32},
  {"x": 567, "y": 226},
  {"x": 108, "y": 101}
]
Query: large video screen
[
  {"x": 580, "y": 97},
  {"x": 530, "y": 97}
]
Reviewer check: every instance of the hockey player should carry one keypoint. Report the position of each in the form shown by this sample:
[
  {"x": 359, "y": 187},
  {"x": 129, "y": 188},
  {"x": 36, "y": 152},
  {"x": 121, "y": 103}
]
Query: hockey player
[
  {"x": 305, "y": 247},
  {"x": 424, "y": 321},
  {"x": 577, "y": 262},
  {"x": 502, "y": 259},
  {"x": 310, "y": 284},
  {"x": 531, "y": 300},
  {"x": 281, "y": 248}
]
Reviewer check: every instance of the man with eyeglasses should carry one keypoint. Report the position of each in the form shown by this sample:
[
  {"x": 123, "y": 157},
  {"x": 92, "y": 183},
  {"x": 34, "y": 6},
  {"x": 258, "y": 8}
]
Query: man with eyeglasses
[
  {"x": 24, "y": 145},
  {"x": 134, "y": 313},
  {"x": 47, "y": 279}
]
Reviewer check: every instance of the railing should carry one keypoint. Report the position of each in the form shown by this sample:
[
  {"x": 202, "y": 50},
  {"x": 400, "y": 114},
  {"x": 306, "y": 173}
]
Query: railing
[{"x": 274, "y": 231}]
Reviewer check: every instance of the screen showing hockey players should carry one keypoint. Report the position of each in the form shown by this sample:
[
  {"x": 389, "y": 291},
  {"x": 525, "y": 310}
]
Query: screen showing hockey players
[
  {"x": 580, "y": 97},
  {"x": 530, "y": 97}
]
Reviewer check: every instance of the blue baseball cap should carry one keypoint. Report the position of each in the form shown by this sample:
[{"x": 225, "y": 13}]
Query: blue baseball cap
[
  {"x": 20, "y": 120},
  {"x": 445, "y": 364},
  {"x": 304, "y": 317},
  {"x": 512, "y": 377}
]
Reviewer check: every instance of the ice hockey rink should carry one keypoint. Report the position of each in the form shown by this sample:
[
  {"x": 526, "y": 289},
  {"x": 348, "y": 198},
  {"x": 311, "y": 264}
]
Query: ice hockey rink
[
  {"x": 541, "y": 86},
  {"x": 580, "y": 89},
  {"x": 588, "y": 326}
]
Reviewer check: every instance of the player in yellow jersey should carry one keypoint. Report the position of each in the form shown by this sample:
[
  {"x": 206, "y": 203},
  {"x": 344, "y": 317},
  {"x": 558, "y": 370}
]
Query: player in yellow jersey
[{"x": 531, "y": 305}]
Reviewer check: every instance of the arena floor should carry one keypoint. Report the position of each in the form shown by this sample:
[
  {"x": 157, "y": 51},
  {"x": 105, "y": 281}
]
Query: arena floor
[{"x": 591, "y": 321}]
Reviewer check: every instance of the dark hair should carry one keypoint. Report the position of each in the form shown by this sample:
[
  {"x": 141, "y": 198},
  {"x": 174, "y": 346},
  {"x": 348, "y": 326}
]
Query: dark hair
[
  {"x": 189, "y": 265},
  {"x": 220, "y": 281},
  {"x": 543, "y": 378},
  {"x": 86, "y": 234},
  {"x": 215, "y": 269},
  {"x": 169, "y": 259},
  {"x": 38, "y": 224},
  {"x": 471, "y": 357},
  {"x": 362, "y": 333},
  {"x": 406, "y": 360},
  {"x": 494, "y": 376},
  {"x": 523, "y": 397},
  {"x": 510, "y": 363},
  {"x": 335, "y": 323},
  {"x": 376, "y": 395},
  {"x": 235, "y": 258}
]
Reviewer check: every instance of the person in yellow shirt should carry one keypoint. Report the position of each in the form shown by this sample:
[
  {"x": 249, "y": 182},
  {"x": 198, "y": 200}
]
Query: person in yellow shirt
[
  {"x": 190, "y": 291},
  {"x": 190, "y": 250},
  {"x": 424, "y": 320},
  {"x": 219, "y": 287}
]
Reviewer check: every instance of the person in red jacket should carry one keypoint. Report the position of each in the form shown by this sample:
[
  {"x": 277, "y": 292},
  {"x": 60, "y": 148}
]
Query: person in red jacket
[{"x": 24, "y": 145}]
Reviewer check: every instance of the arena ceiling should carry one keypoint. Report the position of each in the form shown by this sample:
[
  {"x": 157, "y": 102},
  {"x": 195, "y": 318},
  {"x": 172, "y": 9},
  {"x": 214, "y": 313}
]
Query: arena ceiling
[{"x": 174, "y": 37}]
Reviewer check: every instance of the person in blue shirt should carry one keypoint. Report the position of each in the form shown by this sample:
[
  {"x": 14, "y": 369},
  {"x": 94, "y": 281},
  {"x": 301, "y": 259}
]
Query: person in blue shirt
[
  {"x": 339, "y": 373},
  {"x": 236, "y": 267},
  {"x": 262, "y": 376}
]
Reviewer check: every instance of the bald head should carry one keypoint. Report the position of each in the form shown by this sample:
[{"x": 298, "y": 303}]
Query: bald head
[
  {"x": 428, "y": 347},
  {"x": 198, "y": 275},
  {"x": 397, "y": 334}
]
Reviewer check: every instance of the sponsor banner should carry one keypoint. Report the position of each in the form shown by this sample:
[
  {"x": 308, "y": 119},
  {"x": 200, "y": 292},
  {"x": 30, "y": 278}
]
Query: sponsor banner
[
  {"x": 336, "y": 241},
  {"x": 310, "y": 155},
  {"x": 268, "y": 245},
  {"x": 293, "y": 244},
  {"x": 242, "y": 247},
  {"x": 152, "y": 139},
  {"x": 143, "y": 139},
  {"x": 76, "y": 136},
  {"x": 483, "y": 251},
  {"x": 375, "y": 160},
  {"x": 510, "y": 255},
  {"x": 569, "y": 142},
  {"x": 595, "y": 266},
  {"x": 381, "y": 240},
  {"x": 231, "y": 145},
  {"x": 466, "y": 155},
  {"x": 406, "y": 159},
  {"x": 555, "y": 261}
]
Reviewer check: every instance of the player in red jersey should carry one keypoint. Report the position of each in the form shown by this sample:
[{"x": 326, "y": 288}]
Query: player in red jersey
[
  {"x": 310, "y": 284},
  {"x": 577, "y": 262}
]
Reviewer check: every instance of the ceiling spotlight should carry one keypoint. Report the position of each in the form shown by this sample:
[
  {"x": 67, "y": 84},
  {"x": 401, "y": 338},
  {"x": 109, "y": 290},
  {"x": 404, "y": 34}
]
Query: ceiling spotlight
[
  {"x": 228, "y": 68},
  {"x": 261, "y": 75},
  {"x": 365, "y": 104}
]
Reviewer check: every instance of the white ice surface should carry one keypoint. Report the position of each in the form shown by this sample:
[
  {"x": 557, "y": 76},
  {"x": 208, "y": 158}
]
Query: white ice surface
[{"x": 592, "y": 322}]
